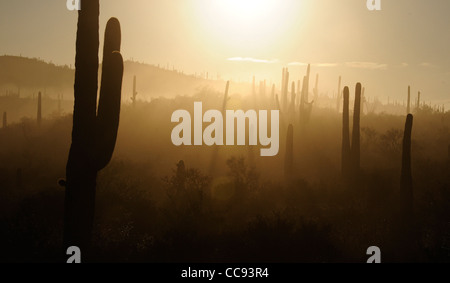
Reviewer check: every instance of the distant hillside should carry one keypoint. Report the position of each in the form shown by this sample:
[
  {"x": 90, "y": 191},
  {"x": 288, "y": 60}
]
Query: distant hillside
[
  {"x": 28, "y": 76},
  {"x": 33, "y": 75}
]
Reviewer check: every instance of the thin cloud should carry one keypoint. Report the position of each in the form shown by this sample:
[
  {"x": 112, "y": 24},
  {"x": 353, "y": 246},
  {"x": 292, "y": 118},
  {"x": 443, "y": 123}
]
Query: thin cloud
[
  {"x": 325, "y": 65},
  {"x": 426, "y": 65},
  {"x": 297, "y": 64},
  {"x": 401, "y": 65},
  {"x": 301, "y": 64},
  {"x": 251, "y": 60},
  {"x": 367, "y": 65}
]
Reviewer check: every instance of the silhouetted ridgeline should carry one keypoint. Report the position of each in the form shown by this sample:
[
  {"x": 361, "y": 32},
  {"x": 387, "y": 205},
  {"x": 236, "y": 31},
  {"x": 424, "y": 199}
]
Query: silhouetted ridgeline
[{"x": 26, "y": 76}]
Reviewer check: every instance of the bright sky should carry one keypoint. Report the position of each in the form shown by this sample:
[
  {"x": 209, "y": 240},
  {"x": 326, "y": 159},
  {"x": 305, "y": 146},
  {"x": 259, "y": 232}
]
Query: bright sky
[{"x": 408, "y": 42}]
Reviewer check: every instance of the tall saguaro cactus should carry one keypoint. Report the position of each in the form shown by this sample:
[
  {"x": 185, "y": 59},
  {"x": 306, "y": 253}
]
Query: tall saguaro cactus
[
  {"x": 308, "y": 73},
  {"x": 94, "y": 130},
  {"x": 292, "y": 103},
  {"x": 284, "y": 93},
  {"x": 406, "y": 183},
  {"x": 408, "y": 107},
  {"x": 418, "y": 101},
  {"x": 345, "y": 158},
  {"x": 316, "y": 88},
  {"x": 356, "y": 134},
  {"x": 339, "y": 94},
  {"x": 133, "y": 98}
]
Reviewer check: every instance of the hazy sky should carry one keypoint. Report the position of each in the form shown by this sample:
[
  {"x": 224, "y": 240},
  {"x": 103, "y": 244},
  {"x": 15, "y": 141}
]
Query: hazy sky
[{"x": 408, "y": 42}]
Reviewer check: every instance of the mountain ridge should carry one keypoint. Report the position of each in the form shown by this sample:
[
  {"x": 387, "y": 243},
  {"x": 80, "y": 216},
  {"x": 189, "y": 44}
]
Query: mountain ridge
[{"x": 26, "y": 76}]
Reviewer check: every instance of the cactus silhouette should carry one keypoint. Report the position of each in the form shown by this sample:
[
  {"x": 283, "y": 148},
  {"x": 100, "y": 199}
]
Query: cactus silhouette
[
  {"x": 225, "y": 97},
  {"x": 133, "y": 98},
  {"x": 418, "y": 101},
  {"x": 303, "y": 99},
  {"x": 308, "y": 72},
  {"x": 283, "y": 78},
  {"x": 345, "y": 154},
  {"x": 408, "y": 107},
  {"x": 289, "y": 158},
  {"x": 284, "y": 91},
  {"x": 5, "y": 120},
  {"x": 316, "y": 89},
  {"x": 272, "y": 95},
  {"x": 277, "y": 102},
  {"x": 39, "y": 109},
  {"x": 305, "y": 105},
  {"x": 339, "y": 94},
  {"x": 363, "y": 100},
  {"x": 406, "y": 182},
  {"x": 292, "y": 103},
  {"x": 356, "y": 134},
  {"x": 94, "y": 130}
]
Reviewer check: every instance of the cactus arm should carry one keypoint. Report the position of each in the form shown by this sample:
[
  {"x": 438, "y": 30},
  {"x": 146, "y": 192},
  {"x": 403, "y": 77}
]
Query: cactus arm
[
  {"x": 345, "y": 134},
  {"x": 110, "y": 96},
  {"x": 356, "y": 134}
]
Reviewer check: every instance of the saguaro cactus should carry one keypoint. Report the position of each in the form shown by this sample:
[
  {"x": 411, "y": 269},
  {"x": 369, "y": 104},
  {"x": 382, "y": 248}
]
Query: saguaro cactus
[
  {"x": 339, "y": 94},
  {"x": 292, "y": 102},
  {"x": 285, "y": 90},
  {"x": 5, "y": 120},
  {"x": 408, "y": 107},
  {"x": 363, "y": 100},
  {"x": 39, "y": 109},
  {"x": 289, "y": 158},
  {"x": 418, "y": 101},
  {"x": 356, "y": 134},
  {"x": 316, "y": 88},
  {"x": 308, "y": 73},
  {"x": 345, "y": 158},
  {"x": 272, "y": 95},
  {"x": 283, "y": 78},
  {"x": 134, "y": 91},
  {"x": 94, "y": 130},
  {"x": 406, "y": 182}
]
